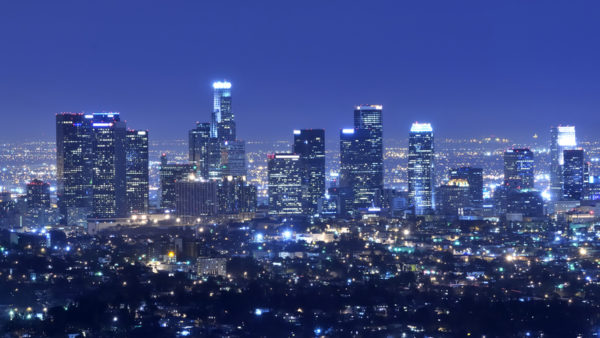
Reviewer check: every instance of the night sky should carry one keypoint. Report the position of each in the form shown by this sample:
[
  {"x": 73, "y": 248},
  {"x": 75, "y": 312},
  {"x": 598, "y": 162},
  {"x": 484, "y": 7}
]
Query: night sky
[{"x": 472, "y": 68}]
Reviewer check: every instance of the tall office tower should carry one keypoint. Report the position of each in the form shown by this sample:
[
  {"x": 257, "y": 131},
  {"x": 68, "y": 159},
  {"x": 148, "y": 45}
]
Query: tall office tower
[
  {"x": 222, "y": 124},
  {"x": 74, "y": 166},
  {"x": 285, "y": 184},
  {"x": 573, "y": 174},
  {"x": 369, "y": 119},
  {"x": 38, "y": 194},
  {"x": 109, "y": 188},
  {"x": 169, "y": 175},
  {"x": 454, "y": 196},
  {"x": 518, "y": 169},
  {"x": 137, "y": 172},
  {"x": 236, "y": 195},
  {"x": 233, "y": 158},
  {"x": 196, "y": 197},
  {"x": 421, "y": 168},
  {"x": 355, "y": 173},
  {"x": 361, "y": 158},
  {"x": 474, "y": 176},
  {"x": 199, "y": 142},
  {"x": 561, "y": 138},
  {"x": 310, "y": 145}
]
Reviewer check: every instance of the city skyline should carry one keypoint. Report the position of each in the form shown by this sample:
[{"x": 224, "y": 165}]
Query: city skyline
[
  {"x": 515, "y": 66},
  {"x": 299, "y": 169}
]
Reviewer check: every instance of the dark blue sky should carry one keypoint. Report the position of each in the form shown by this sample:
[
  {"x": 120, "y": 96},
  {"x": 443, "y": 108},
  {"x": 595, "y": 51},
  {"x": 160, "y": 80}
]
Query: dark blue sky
[{"x": 508, "y": 68}]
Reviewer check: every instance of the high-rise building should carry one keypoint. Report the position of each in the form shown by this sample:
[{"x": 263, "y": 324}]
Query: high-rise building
[
  {"x": 309, "y": 144},
  {"x": 473, "y": 176},
  {"x": 361, "y": 158},
  {"x": 222, "y": 124},
  {"x": 561, "y": 138},
  {"x": 285, "y": 184},
  {"x": 454, "y": 197},
  {"x": 109, "y": 194},
  {"x": 527, "y": 202},
  {"x": 199, "y": 143},
  {"x": 214, "y": 147},
  {"x": 196, "y": 197},
  {"x": 518, "y": 169},
  {"x": 233, "y": 158},
  {"x": 421, "y": 168},
  {"x": 38, "y": 194},
  {"x": 74, "y": 166},
  {"x": 236, "y": 195},
  {"x": 169, "y": 174},
  {"x": 137, "y": 172},
  {"x": 573, "y": 174}
]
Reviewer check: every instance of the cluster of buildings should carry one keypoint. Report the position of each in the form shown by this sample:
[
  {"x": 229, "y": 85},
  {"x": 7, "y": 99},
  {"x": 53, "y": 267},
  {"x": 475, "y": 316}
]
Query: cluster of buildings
[{"x": 102, "y": 175}]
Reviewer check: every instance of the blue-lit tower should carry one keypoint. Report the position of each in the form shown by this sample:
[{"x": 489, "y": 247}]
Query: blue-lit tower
[{"x": 421, "y": 168}]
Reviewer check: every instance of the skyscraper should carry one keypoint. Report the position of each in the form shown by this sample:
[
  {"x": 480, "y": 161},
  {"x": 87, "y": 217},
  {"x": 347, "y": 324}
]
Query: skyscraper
[
  {"x": 361, "y": 157},
  {"x": 38, "y": 194},
  {"x": 109, "y": 194},
  {"x": 421, "y": 168},
  {"x": 518, "y": 169},
  {"x": 199, "y": 143},
  {"x": 561, "y": 138},
  {"x": 220, "y": 154},
  {"x": 453, "y": 197},
  {"x": 137, "y": 171},
  {"x": 236, "y": 196},
  {"x": 573, "y": 174},
  {"x": 196, "y": 197},
  {"x": 170, "y": 173},
  {"x": 474, "y": 177},
  {"x": 309, "y": 144},
  {"x": 222, "y": 124},
  {"x": 74, "y": 166},
  {"x": 285, "y": 184},
  {"x": 233, "y": 158}
]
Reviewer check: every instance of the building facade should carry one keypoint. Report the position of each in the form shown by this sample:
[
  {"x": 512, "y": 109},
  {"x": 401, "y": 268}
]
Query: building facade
[{"x": 421, "y": 168}]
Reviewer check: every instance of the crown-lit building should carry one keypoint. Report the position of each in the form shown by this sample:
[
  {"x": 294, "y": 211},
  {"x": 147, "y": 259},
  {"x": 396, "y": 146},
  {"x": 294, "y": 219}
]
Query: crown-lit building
[
  {"x": 421, "y": 168},
  {"x": 561, "y": 138}
]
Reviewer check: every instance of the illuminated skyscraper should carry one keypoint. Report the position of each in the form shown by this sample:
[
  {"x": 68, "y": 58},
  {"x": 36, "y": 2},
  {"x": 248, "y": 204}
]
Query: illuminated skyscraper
[
  {"x": 421, "y": 168},
  {"x": 74, "y": 166},
  {"x": 310, "y": 145},
  {"x": 518, "y": 169},
  {"x": 361, "y": 157},
  {"x": 220, "y": 154},
  {"x": 137, "y": 171},
  {"x": 222, "y": 124},
  {"x": 170, "y": 173},
  {"x": 561, "y": 138},
  {"x": 285, "y": 184},
  {"x": 474, "y": 177},
  {"x": 573, "y": 174},
  {"x": 453, "y": 197},
  {"x": 236, "y": 196},
  {"x": 109, "y": 194},
  {"x": 199, "y": 144}
]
